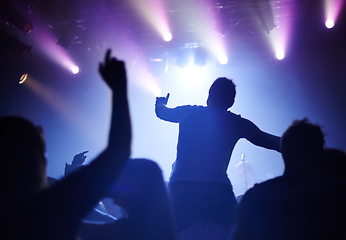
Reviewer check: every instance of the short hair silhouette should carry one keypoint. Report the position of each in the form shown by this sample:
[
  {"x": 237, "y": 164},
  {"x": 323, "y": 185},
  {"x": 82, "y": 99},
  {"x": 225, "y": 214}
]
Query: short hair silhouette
[
  {"x": 22, "y": 150},
  {"x": 222, "y": 93},
  {"x": 302, "y": 141}
]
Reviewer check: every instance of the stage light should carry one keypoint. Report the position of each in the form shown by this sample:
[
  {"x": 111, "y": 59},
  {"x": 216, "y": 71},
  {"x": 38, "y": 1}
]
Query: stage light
[
  {"x": 75, "y": 69},
  {"x": 167, "y": 36},
  {"x": 332, "y": 10},
  {"x": 45, "y": 42},
  {"x": 280, "y": 55},
  {"x": 154, "y": 12},
  {"x": 329, "y": 23},
  {"x": 23, "y": 78},
  {"x": 223, "y": 59}
]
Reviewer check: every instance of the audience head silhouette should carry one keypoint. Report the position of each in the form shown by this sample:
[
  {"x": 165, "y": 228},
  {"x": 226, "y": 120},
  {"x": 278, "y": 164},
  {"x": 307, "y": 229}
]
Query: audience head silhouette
[
  {"x": 302, "y": 146},
  {"x": 22, "y": 150},
  {"x": 222, "y": 93}
]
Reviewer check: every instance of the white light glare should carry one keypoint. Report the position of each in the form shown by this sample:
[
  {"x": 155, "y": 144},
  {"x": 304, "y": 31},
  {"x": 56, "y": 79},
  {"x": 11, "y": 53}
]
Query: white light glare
[
  {"x": 329, "y": 23},
  {"x": 223, "y": 60},
  {"x": 75, "y": 69},
  {"x": 167, "y": 36},
  {"x": 280, "y": 55}
]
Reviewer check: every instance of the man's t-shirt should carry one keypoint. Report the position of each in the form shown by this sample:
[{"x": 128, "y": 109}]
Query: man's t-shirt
[{"x": 206, "y": 140}]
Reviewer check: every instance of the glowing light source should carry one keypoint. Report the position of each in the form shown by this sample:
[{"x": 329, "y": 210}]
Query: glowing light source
[
  {"x": 167, "y": 36},
  {"x": 23, "y": 78},
  {"x": 280, "y": 55},
  {"x": 75, "y": 69},
  {"x": 223, "y": 59},
  {"x": 329, "y": 23},
  {"x": 280, "y": 35},
  {"x": 46, "y": 43},
  {"x": 332, "y": 9},
  {"x": 154, "y": 12}
]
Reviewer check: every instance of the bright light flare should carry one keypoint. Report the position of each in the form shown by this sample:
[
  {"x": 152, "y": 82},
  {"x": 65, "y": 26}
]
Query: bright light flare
[
  {"x": 332, "y": 10},
  {"x": 213, "y": 42},
  {"x": 75, "y": 69},
  {"x": 167, "y": 36},
  {"x": 280, "y": 55},
  {"x": 46, "y": 42},
  {"x": 154, "y": 12},
  {"x": 191, "y": 76},
  {"x": 216, "y": 46},
  {"x": 329, "y": 23},
  {"x": 279, "y": 37},
  {"x": 223, "y": 59}
]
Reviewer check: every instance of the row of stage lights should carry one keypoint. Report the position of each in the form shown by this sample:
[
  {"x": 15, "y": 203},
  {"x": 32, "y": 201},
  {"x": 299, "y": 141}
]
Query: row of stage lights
[{"x": 155, "y": 17}]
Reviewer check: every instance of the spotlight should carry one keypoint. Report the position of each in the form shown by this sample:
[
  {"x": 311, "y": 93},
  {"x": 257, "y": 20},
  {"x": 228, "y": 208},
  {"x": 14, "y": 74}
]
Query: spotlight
[
  {"x": 167, "y": 36},
  {"x": 23, "y": 78},
  {"x": 223, "y": 60},
  {"x": 280, "y": 55},
  {"x": 329, "y": 23},
  {"x": 75, "y": 69}
]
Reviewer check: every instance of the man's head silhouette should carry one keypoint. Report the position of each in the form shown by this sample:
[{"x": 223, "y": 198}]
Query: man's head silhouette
[
  {"x": 22, "y": 158},
  {"x": 222, "y": 93},
  {"x": 302, "y": 146}
]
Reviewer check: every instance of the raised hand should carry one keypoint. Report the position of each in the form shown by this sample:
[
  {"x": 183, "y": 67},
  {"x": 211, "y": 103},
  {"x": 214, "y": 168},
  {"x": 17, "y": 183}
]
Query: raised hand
[
  {"x": 79, "y": 158},
  {"x": 114, "y": 74},
  {"x": 162, "y": 100}
]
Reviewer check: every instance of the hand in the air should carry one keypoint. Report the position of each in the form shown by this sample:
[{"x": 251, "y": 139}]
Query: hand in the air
[
  {"x": 113, "y": 73},
  {"x": 162, "y": 100}
]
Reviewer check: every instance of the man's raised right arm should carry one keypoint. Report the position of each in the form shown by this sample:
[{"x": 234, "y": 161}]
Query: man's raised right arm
[{"x": 165, "y": 113}]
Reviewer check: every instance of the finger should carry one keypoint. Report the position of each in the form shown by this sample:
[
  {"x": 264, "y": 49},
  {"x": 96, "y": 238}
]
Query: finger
[{"x": 108, "y": 56}]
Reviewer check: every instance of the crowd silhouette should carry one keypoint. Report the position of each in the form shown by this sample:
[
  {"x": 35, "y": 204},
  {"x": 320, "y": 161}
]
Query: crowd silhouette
[{"x": 306, "y": 202}]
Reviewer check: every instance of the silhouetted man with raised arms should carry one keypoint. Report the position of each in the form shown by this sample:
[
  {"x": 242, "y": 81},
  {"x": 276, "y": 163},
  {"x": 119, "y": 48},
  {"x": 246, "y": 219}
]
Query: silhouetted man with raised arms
[{"x": 199, "y": 184}]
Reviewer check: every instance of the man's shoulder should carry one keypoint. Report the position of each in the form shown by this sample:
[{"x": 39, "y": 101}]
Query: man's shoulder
[
  {"x": 269, "y": 185},
  {"x": 192, "y": 107},
  {"x": 266, "y": 188},
  {"x": 283, "y": 188}
]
